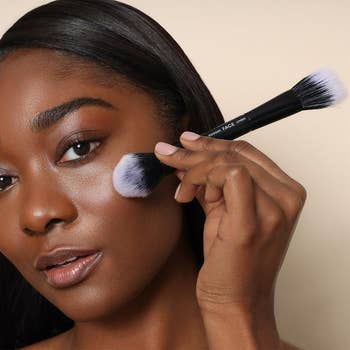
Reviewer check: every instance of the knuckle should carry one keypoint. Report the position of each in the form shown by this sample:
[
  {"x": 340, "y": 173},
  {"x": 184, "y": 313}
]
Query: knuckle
[
  {"x": 183, "y": 155},
  {"x": 185, "y": 178},
  {"x": 212, "y": 294},
  {"x": 250, "y": 229},
  {"x": 294, "y": 203},
  {"x": 267, "y": 238},
  {"x": 225, "y": 157},
  {"x": 238, "y": 170},
  {"x": 211, "y": 175},
  {"x": 239, "y": 145},
  {"x": 248, "y": 234},
  {"x": 302, "y": 192},
  {"x": 206, "y": 143},
  {"x": 274, "y": 219},
  {"x": 247, "y": 240}
]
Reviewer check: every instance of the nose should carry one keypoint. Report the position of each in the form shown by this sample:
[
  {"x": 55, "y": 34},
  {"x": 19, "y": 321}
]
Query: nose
[{"x": 45, "y": 205}]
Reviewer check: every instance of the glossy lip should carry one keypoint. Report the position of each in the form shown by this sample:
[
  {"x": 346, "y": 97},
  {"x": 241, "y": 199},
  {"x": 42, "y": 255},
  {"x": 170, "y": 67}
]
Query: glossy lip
[
  {"x": 60, "y": 255},
  {"x": 72, "y": 273}
]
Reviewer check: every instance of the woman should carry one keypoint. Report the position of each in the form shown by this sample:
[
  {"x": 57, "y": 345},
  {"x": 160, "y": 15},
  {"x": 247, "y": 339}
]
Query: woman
[{"x": 194, "y": 272}]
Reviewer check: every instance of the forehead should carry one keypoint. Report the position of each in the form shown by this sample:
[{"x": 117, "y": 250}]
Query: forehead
[
  {"x": 59, "y": 65},
  {"x": 31, "y": 76},
  {"x": 34, "y": 80}
]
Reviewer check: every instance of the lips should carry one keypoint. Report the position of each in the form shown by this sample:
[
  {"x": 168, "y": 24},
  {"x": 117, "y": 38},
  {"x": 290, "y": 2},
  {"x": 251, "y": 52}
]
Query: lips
[
  {"x": 60, "y": 256},
  {"x": 73, "y": 273}
]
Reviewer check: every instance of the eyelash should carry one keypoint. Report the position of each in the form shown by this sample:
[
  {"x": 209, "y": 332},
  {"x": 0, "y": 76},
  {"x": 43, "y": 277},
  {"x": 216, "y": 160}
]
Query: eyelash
[
  {"x": 78, "y": 161},
  {"x": 82, "y": 159}
]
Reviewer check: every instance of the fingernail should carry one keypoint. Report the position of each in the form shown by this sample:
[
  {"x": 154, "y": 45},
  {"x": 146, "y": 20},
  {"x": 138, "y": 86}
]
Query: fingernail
[
  {"x": 177, "y": 190},
  {"x": 190, "y": 136},
  {"x": 165, "y": 148}
]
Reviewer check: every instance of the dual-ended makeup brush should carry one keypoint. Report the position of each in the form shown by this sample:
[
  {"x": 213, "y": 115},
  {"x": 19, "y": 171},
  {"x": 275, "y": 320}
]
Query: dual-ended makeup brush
[{"x": 137, "y": 174}]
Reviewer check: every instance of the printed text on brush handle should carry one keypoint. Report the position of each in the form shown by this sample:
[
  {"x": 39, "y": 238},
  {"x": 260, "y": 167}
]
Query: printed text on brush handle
[
  {"x": 240, "y": 124},
  {"x": 279, "y": 107}
]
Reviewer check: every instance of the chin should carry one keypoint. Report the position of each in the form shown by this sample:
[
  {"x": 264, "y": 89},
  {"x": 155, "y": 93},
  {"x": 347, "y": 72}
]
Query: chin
[{"x": 100, "y": 297}]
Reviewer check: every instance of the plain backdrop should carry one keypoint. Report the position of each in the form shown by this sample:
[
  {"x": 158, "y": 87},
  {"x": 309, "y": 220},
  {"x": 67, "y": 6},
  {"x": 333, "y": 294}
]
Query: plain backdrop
[{"x": 248, "y": 52}]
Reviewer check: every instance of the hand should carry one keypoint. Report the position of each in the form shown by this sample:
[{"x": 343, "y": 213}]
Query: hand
[{"x": 251, "y": 208}]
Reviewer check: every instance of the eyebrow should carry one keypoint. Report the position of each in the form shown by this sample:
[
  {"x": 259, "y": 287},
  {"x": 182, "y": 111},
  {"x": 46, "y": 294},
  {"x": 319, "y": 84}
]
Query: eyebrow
[{"x": 46, "y": 119}]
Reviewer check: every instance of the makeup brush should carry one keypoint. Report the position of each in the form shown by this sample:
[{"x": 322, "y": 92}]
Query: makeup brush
[{"x": 137, "y": 174}]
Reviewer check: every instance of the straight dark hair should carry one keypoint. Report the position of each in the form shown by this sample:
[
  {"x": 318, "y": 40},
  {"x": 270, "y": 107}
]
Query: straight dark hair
[{"x": 119, "y": 37}]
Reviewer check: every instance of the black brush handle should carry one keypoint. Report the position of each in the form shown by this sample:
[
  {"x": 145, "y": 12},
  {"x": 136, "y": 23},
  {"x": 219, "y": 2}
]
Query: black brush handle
[{"x": 279, "y": 107}]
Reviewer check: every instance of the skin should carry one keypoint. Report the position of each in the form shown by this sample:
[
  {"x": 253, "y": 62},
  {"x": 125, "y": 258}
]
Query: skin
[{"x": 148, "y": 271}]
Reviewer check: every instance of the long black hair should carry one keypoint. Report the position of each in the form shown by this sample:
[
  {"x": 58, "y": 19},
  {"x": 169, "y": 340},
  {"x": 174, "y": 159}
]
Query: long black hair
[{"x": 125, "y": 40}]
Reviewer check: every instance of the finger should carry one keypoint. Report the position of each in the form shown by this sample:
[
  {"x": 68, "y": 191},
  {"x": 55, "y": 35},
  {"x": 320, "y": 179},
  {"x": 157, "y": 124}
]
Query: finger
[
  {"x": 212, "y": 193},
  {"x": 180, "y": 174},
  {"x": 271, "y": 218},
  {"x": 239, "y": 222},
  {"x": 255, "y": 155},
  {"x": 239, "y": 189},
  {"x": 252, "y": 216},
  {"x": 285, "y": 197},
  {"x": 207, "y": 174},
  {"x": 249, "y": 151},
  {"x": 205, "y": 143},
  {"x": 192, "y": 180},
  {"x": 180, "y": 158}
]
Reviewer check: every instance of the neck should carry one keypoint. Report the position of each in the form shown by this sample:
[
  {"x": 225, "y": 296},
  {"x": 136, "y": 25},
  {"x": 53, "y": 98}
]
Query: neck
[{"x": 165, "y": 315}]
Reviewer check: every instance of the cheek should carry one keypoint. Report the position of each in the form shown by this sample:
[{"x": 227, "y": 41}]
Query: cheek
[
  {"x": 109, "y": 214},
  {"x": 136, "y": 235},
  {"x": 14, "y": 249}
]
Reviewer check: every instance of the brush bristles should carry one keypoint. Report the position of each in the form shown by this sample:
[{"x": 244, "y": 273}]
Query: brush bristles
[
  {"x": 137, "y": 174},
  {"x": 320, "y": 89},
  {"x": 128, "y": 177}
]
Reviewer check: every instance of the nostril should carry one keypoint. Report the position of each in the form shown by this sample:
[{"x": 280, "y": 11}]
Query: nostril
[
  {"x": 48, "y": 226},
  {"x": 29, "y": 232},
  {"x": 52, "y": 222}
]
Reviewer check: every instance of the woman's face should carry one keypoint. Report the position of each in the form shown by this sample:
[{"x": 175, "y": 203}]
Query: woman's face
[{"x": 43, "y": 183}]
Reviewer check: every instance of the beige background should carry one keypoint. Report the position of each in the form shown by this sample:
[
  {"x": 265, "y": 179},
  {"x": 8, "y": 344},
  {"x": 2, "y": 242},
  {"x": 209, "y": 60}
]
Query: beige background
[{"x": 248, "y": 52}]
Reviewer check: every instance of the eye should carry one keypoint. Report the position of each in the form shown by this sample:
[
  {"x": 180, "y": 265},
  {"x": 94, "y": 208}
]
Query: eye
[
  {"x": 5, "y": 182},
  {"x": 81, "y": 148}
]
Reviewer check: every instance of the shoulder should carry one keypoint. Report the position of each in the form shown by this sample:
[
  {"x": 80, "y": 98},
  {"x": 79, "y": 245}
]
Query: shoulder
[{"x": 53, "y": 343}]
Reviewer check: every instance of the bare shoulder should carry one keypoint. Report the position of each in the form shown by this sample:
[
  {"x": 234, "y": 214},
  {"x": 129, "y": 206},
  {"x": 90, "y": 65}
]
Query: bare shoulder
[
  {"x": 288, "y": 346},
  {"x": 54, "y": 343}
]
